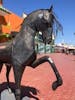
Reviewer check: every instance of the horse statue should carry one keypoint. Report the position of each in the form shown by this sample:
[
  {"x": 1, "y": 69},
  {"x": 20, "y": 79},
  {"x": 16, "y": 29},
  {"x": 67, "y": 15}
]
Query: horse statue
[{"x": 20, "y": 52}]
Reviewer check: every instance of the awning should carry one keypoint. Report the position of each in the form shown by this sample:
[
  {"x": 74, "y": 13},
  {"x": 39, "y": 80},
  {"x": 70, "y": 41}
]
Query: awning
[{"x": 4, "y": 11}]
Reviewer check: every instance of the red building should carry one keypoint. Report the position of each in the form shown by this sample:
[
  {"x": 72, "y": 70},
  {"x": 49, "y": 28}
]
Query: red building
[{"x": 8, "y": 22}]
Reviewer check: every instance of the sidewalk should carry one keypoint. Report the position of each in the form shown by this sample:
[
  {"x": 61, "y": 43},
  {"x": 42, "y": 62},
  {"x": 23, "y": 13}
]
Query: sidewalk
[{"x": 37, "y": 83}]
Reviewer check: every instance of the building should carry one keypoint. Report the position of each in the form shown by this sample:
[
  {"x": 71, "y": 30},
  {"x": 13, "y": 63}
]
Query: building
[
  {"x": 65, "y": 48},
  {"x": 7, "y": 22}
]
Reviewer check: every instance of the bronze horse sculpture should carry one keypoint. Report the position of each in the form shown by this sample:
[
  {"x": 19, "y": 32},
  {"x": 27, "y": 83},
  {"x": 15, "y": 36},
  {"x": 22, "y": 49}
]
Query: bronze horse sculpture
[{"x": 20, "y": 52}]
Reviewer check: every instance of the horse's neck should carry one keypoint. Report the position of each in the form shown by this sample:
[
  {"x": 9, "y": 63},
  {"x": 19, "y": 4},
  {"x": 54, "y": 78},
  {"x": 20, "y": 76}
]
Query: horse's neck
[
  {"x": 25, "y": 38},
  {"x": 29, "y": 38}
]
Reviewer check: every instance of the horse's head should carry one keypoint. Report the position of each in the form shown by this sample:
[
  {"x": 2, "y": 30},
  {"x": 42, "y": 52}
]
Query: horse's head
[
  {"x": 48, "y": 20},
  {"x": 41, "y": 20}
]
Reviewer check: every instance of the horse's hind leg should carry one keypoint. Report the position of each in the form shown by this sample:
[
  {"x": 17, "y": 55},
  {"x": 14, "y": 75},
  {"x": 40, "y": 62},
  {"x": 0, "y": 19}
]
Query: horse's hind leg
[
  {"x": 18, "y": 71},
  {"x": 8, "y": 68},
  {"x": 47, "y": 59},
  {"x": 1, "y": 64}
]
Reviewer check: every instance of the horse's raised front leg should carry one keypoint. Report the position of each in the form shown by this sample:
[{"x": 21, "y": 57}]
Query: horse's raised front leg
[
  {"x": 18, "y": 72},
  {"x": 41, "y": 60}
]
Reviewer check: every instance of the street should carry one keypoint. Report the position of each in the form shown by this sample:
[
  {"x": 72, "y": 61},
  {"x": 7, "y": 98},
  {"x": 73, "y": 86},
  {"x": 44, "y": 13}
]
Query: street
[{"x": 36, "y": 83}]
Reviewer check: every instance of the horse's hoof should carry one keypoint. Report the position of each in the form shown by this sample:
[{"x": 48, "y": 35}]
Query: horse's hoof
[{"x": 57, "y": 84}]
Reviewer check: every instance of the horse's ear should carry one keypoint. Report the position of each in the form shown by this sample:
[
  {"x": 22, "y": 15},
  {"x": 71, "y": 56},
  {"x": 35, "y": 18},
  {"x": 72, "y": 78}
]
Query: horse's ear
[{"x": 51, "y": 8}]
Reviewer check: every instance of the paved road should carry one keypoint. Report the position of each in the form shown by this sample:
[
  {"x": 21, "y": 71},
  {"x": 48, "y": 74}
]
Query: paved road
[{"x": 36, "y": 83}]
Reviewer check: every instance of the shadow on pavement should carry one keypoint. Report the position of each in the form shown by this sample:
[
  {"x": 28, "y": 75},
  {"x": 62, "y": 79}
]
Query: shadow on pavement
[{"x": 27, "y": 91}]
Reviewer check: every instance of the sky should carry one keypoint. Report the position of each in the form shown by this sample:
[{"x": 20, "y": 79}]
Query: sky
[{"x": 64, "y": 10}]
